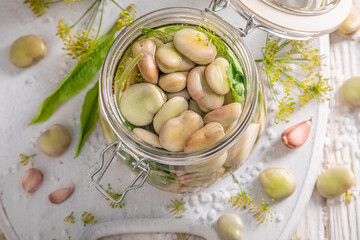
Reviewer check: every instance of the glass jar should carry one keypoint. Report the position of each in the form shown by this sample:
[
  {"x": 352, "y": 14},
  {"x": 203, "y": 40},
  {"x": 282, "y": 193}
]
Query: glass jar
[{"x": 182, "y": 172}]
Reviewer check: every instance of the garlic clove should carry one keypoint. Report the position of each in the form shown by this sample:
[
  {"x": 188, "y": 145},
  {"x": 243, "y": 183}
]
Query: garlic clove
[
  {"x": 32, "y": 180},
  {"x": 61, "y": 195},
  {"x": 352, "y": 23},
  {"x": 297, "y": 135}
]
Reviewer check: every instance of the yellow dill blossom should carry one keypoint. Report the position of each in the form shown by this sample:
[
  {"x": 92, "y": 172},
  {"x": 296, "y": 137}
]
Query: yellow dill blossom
[
  {"x": 71, "y": 1},
  {"x": 177, "y": 208},
  {"x": 38, "y": 7},
  {"x": 26, "y": 159},
  {"x": 79, "y": 44},
  {"x": 63, "y": 30},
  {"x": 242, "y": 199},
  {"x": 181, "y": 236},
  {"x": 115, "y": 195},
  {"x": 70, "y": 218},
  {"x": 88, "y": 218},
  {"x": 295, "y": 65},
  {"x": 348, "y": 197},
  {"x": 262, "y": 211},
  {"x": 126, "y": 17},
  {"x": 296, "y": 237}
]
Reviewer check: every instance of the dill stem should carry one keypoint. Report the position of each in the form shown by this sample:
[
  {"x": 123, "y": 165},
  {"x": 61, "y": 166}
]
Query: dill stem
[
  {"x": 235, "y": 179},
  {"x": 118, "y": 5},
  {"x": 114, "y": 27},
  {"x": 86, "y": 12}
]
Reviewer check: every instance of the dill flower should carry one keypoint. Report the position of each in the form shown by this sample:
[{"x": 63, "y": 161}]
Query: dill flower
[
  {"x": 296, "y": 66},
  {"x": 181, "y": 236},
  {"x": 115, "y": 195},
  {"x": 262, "y": 211},
  {"x": 348, "y": 197},
  {"x": 38, "y": 7},
  {"x": 88, "y": 218},
  {"x": 126, "y": 17},
  {"x": 70, "y": 218},
  {"x": 25, "y": 159},
  {"x": 79, "y": 44},
  {"x": 242, "y": 199},
  {"x": 177, "y": 208}
]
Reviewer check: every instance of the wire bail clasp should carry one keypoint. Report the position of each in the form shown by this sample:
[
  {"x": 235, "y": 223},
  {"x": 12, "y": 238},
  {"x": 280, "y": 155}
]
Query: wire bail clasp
[
  {"x": 138, "y": 164},
  {"x": 217, "y": 5}
]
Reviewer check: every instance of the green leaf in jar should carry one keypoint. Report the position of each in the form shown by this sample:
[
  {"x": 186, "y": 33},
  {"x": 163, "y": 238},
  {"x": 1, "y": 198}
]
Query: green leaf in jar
[
  {"x": 89, "y": 115},
  {"x": 76, "y": 80},
  {"x": 237, "y": 82}
]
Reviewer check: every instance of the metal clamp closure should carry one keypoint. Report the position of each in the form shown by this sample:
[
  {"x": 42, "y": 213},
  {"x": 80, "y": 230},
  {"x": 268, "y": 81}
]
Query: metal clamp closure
[
  {"x": 217, "y": 5},
  {"x": 138, "y": 164}
]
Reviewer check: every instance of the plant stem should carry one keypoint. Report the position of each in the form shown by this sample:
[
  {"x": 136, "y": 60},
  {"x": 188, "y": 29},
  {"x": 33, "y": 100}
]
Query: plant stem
[{"x": 84, "y": 14}]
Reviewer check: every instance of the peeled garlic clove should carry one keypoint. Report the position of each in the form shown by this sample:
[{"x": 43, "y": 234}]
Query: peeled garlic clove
[
  {"x": 278, "y": 183},
  {"x": 55, "y": 141},
  {"x": 225, "y": 115},
  {"x": 169, "y": 110},
  {"x": 297, "y": 135},
  {"x": 199, "y": 90},
  {"x": 350, "y": 92},
  {"x": 140, "y": 102},
  {"x": 352, "y": 23},
  {"x": 175, "y": 132},
  {"x": 229, "y": 226},
  {"x": 170, "y": 60},
  {"x": 147, "y": 136},
  {"x": 147, "y": 65},
  {"x": 216, "y": 76},
  {"x": 195, "y": 45},
  {"x": 335, "y": 181},
  {"x": 61, "y": 195},
  {"x": 32, "y": 180},
  {"x": 27, "y": 50},
  {"x": 173, "y": 82},
  {"x": 184, "y": 93}
]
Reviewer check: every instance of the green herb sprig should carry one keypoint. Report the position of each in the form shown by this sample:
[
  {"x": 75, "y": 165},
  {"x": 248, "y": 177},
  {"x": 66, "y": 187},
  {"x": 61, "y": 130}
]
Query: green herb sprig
[
  {"x": 295, "y": 65},
  {"x": 70, "y": 218},
  {"x": 88, "y": 218},
  {"x": 177, "y": 208},
  {"x": 262, "y": 211},
  {"x": 115, "y": 195},
  {"x": 82, "y": 74},
  {"x": 25, "y": 159}
]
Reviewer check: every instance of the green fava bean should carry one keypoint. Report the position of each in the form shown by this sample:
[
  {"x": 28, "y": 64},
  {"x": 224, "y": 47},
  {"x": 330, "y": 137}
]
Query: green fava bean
[
  {"x": 335, "y": 181},
  {"x": 140, "y": 102},
  {"x": 55, "y": 141},
  {"x": 229, "y": 226},
  {"x": 27, "y": 50},
  {"x": 278, "y": 183}
]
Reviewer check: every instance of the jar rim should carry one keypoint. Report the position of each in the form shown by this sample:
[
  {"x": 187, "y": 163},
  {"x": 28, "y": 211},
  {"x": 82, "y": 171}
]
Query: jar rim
[{"x": 158, "y": 18}]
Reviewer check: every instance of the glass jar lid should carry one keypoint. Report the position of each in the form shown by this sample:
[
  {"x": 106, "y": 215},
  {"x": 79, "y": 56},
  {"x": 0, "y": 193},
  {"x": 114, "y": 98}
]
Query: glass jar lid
[{"x": 294, "y": 19}]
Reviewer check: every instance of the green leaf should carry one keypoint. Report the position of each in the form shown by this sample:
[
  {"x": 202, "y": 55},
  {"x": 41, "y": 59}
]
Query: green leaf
[
  {"x": 89, "y": 115},
  {"x": 76, "y": 80},
  {"x": 237, "y": 82}
]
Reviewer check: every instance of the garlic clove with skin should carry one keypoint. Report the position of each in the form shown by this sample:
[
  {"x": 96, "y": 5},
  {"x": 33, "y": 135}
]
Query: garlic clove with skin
[
  {"x": 61, "y": 195},
  {"x": 297, "y": 135},
  {"x": 32, "y": 180}
]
